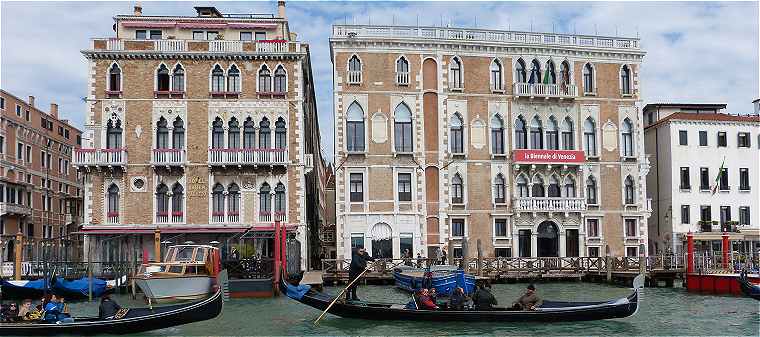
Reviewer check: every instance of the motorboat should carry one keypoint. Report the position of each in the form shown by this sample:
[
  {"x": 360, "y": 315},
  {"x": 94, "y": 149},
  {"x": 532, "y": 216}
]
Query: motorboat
[{"x": 187, "y": 272}]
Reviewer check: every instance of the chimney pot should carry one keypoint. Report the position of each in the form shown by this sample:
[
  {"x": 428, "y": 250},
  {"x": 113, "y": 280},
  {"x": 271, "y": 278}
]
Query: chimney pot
[
  {"x": 31, "y": 101},
  {"x": 281, "y": 8},
  {"x": 54, "y": 110},
  {"x": 138, "y": 9}
]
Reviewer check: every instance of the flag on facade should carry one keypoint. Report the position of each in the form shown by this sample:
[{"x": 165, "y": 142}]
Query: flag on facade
[
  {"x": 546, "y": 75},
  {"x": 717, "y": 179}
]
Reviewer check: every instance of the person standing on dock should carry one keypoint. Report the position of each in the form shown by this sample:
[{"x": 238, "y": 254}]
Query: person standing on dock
[{"x": 359, "y": 260}]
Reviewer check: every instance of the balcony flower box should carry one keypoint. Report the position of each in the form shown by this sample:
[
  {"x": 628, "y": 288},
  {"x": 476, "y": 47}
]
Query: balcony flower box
[
  {"x": 162, "y": 213},
  {"x": 233, "y": 213},
  {"x": 178, "y": 213},
  {"x": 217, "y": 213},
  {"x": 112, "y": 214}
]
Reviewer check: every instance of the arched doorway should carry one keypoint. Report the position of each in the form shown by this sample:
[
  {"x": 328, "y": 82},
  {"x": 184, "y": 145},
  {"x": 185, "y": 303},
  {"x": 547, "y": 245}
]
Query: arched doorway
[
  {"x": 382, "y": 242},
  {"x": 548, "y": 239}
]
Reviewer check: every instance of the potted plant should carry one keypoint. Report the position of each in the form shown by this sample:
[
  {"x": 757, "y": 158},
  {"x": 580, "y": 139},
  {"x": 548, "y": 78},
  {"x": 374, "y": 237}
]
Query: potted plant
[{"x": 219, "y": 36}]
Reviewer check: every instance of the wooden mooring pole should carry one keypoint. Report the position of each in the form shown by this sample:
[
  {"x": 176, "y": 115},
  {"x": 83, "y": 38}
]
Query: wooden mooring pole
[
  {"x": 608, "y": 263},
  {"x": 17, "y": 258},
  {"x": 480, "y": 258}
]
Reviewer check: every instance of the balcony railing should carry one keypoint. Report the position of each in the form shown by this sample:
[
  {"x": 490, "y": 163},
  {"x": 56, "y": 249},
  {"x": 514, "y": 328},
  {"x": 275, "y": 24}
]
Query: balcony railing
[
  {"x": 269, "y": 216},
  {"x": 354, "y": 76},
  {"x": 100, "y": 157},
  {"x": 225, "y": 217},
  {"x": 545, "y": 90},
  {"x": 225, "y": 46},
  {"x": 170, "y": 45},
  {"x": 170, "y": 217},
  {"x": 402, "y": 78},
  {"x": 223, "y": 157},
  {"x": 191, "y": 46},
  {"x": 168, "y": 157},
  {"x": 11, "y": 208},
  {"x": 550, "y": 204},
  {"x": 112, "y": 217}
]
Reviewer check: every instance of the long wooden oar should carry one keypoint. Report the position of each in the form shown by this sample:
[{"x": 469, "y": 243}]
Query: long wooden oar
[{"x": 338, "y": 297}]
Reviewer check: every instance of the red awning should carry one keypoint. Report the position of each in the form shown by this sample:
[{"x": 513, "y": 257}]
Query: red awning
[
  {"x": 201, "y": 25},
  {"x": 141, "y": 24},
  {"x": 242, "y": 25}
]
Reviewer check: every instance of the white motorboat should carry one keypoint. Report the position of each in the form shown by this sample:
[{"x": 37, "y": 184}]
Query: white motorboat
[{"x": 188, "y": 272}]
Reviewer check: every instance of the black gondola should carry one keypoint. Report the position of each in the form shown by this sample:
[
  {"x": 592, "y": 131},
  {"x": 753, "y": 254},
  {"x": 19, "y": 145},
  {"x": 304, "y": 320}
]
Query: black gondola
[
  {"x": 549, "y": 311},
  {"x": 135, "y": 320},
  {"x": 749, "y": 289}
]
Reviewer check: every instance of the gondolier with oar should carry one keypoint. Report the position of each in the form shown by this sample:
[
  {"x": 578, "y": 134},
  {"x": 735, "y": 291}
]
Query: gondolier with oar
[{"x": 359, "y": 258}]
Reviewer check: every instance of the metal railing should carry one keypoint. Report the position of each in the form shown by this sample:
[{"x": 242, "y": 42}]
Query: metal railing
[
  {"x": 249, "y": 268},
  {"x": 268, "y": 156},
  {"x": 354, "y": 76},
  {"x": 99, "y": 157},
  {"x": 550, "y": 204}
]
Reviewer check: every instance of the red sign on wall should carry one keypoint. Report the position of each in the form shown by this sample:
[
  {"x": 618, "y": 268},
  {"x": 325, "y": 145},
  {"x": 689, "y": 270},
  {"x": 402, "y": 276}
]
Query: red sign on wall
[{"x": 548, "y": 156}]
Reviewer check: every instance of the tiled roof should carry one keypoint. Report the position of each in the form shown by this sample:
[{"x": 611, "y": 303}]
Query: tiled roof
[{"x": 690, "y": 116}]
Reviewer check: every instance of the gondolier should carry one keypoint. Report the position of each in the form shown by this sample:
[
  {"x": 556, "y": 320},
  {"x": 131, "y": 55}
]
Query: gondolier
[{"x": 359, "y": 259}]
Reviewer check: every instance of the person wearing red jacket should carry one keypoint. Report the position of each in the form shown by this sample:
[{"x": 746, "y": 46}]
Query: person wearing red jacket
[{"x": 425, "y": 302}]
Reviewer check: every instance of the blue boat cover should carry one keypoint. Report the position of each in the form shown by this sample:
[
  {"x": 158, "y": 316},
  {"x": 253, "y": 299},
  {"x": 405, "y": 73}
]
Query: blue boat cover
[
  {"x": 36, "y": 284},
  {"x": 296, "y": 292},
  {"x": 80, "y": 286}
]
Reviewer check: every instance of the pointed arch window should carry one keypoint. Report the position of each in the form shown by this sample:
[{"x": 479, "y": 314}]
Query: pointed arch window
[
  {"x": 114, "y": 78},
  {"x": 162, "y": 134},
  {"x": 113, "y": 134},
  {"x": 113, "y": 203},
  {"x": 217, "y": 201},
  {"x": 233, "y": 79},
  {"x": 553, "y": 190},
  {"x": 456, "y": 126},
  {"x": 456, "y": 73},
  {"x": 535, "y": 72},
  {"x": 280, "y": 80},
  {"x": 625, "y": 80},
  {"x": 265, "y": 134},
  {"x": 162, "y": 78},
  {"x": 233, "y": 134},
  {"x": 178, "y": 78},
  {"x": 233, "y": 200},
  {"x": 402, "y": 71},
  {"x": 552, "y": 134},
  {"x": 522, "y": 186},
  {"x": 536, "y": 134},
  {"x": 627, "y": 135},
  {"x": 568, "y": 137},
  {"x": 521, "y": 133},
  {"x": 265, "y": 79},
  {"x": 178, "y": 134},
  {"x": 178, "y": 198},
  {"x": 589, "y": 137},
  {"x": 355, "y": 128},
  {"x": 564, "y": 76},
  {"x": 499, "y": 186},
  {"x": 217, "y": 134},
  {"x": 496, "y": 83},
  {"x": 569, "y": 187},
  {"x": 265, "y": 201},
  {"x": 629, "y": 188},
  {"x": 457, "y": 189},
  {"x": 588, "y": 78},
  {"x": 591, "y": 191},
  {"x": 402, "y": 126},
  {"x": 354, "y": 70},
  {"x": 537, "y": 189},
  {"x": 497, "y": 135},
  {"x": 551, "y": 75},
  {"x": 217, "y": 79},
  {"x": 279, "y": 198},
  {"x": 249, "y": 134},
  {"x": 280, "y": 139},
  {"x": 521, "y": 75},
  {"x": 162, "y": 202}
]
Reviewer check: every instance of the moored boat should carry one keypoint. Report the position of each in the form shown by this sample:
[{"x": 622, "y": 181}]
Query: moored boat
[
  {"x": 549, "y": 311},
  {"x": 70, "y": 289},
  {"x": 748, "y": 288},
  {"x": 443, "y": 278},
  {"x": 187, "y": 273}
]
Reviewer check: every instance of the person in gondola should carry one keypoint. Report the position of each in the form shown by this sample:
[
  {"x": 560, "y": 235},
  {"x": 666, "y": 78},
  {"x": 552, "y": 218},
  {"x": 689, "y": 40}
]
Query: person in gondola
[
  {"x": 425, "y": 302},
  {"x": 407, "y": 257},
  {"x": 483, "y": 299},
  {"x": 458, "y": 299},
  {"x": 529, "y": 300},
  {"x": 108, "y": 307},
  {"x": 11, "y": 313},
  {"x": 427, "y": 280},
  {"x": 359, "y": 259},
  {"x": 433, "y": 295}
]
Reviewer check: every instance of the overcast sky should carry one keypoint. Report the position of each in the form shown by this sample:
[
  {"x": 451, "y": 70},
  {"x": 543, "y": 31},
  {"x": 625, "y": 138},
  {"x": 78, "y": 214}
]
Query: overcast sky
[{"x": 696, "y": 51}]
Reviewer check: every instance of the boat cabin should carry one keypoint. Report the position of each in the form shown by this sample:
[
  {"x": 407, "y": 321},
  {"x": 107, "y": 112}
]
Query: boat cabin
[{"x": 185, "y": 260}]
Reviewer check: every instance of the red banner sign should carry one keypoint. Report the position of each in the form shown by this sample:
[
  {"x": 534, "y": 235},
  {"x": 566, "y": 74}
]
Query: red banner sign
[{"x": 548, "y": 156}]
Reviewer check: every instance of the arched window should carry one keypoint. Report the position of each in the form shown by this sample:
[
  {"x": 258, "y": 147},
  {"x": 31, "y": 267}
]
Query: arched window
[
  {"x": 497, "y": 135},
  {"x": 114, "y": 78},
  {"x": 499, "y": 193},
  {"x": 217, "y": 134},
  {"x": 591, "y": 191},
  {"x": 536, "y": 134},
  {"x": 162, "y": 134},
  {"x": 625, "y": 80},
  {"x": 265, "y": 79},
  {"x": 233, "y": 134},
  {"x": 113, "y": 134},
  {"x": 568, "y": 137},
  {"x": 402, "y": 128},
  {"x": 402, "y": 71},
  {"x": 280, "y": 80},
  {"x": 233, "y": 200},
  {"x": 522, "y": 186},
  {"x": 113, "y": 203},
  {"x": 265, "y": 134},
  {"x": 162, "y": 78},
  {"x": 521, "y": 134},
  {"x": 457, "y": 189},
  {"x": 217, "y": 201},
  {"x": 455, "y": 68},
  {"x": 537, "y": 190},
  {"x": 178, "y": 197},
  {"x": 279, "y": 198},
  {"x": 588, "y": 78},
  {"x": 535, "y": 72},
  {"x": 355, "y": 128},
  {"x": 552, "y": 79},
  {"x": 178, "y": 78},
  {"x": 521, "y": 75},
  {"x": 249, "y": 134},
  {"x": 354, "y": 70},
  {"x": 217, "y": 79},
  {"x": 552, "y": 134},
  {"x": 162, "y": 202},
  {"x": 569, "y": 187},
  {"x": 233, "y": 79},
  {"x": 553, "y": 190},
  {"x": 496, "y": 75},
  {"x": 265, "y": 202},
  {"x": 629, "y": 191},
  {"x": 564, "y": 76},
  {"x": 589, "y": 137},
  {"x": 178, "y": 134},
  {"x": 627, "y": 133},
  {"x": 280, "y": 140},
  {"x": 457, "y": 133}
]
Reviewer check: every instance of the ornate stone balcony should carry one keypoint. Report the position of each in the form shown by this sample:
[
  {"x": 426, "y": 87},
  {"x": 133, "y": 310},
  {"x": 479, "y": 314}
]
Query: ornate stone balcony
[
  {"x": 168, "y": 157},
  {"x": 545, "y": 90},
  {"x": 549, "y": 204},
  {"x": 100, "y": 157},
  {"x": 193, "y": 46},
  {"x": 240, "y": 157},
  {"x": 7, "y": 208}
]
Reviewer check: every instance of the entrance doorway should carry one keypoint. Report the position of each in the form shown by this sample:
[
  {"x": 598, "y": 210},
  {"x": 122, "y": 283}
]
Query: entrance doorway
[{"x": 548, "y": 239}]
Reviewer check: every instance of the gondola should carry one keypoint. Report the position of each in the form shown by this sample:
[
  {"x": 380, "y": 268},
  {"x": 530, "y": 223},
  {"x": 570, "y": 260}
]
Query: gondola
[
  {"x": 749, "y": 289},
  {"x": 133, "y": 321},
  {"x": 549, "y": 311}
]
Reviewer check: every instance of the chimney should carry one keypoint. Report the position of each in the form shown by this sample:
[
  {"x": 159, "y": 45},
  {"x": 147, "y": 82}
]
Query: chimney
[
  {"x": 281, "y": 8},
  {"x": 757, "y": 106},
  {"x": 31, "y": 101},
  {"x": 54, "y": 110},
  {"x": 138, "y": 9}
]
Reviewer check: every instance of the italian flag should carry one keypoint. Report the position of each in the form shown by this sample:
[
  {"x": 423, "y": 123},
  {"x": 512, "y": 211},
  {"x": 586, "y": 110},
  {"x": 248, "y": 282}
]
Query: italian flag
[{"x": 717, "y": 179}]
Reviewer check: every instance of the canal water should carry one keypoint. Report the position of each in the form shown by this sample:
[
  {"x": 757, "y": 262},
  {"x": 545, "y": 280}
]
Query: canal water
[{"x": 665, "y": 311}]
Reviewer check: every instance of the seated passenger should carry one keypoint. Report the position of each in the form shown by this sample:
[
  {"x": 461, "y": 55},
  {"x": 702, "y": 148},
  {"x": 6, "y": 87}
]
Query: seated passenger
[
  {"x": 56, "y": 311},
  {"x": 424, "y": 301},
  {"x": 108, "y": 307},
  {"x": 11, "y": 313},
  {"x": 26, "y": 310},
  {"x": 528, "y": 301},
  {"x": 458, "y": 299},
  {"x": 483, "y": 299},
  {"x": 433, "y": 295}
]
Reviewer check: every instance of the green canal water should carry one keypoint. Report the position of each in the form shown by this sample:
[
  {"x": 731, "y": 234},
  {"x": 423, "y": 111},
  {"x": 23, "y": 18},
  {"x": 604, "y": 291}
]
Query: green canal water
[{"x": 665, "y": 311}]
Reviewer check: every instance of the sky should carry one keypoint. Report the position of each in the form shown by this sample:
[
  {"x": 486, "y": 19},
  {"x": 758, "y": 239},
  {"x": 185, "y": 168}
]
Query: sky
[{"x": 697, "y": 52}]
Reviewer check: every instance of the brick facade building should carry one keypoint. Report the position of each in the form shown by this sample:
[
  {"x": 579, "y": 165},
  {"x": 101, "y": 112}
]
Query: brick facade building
[
  {"x": 530, "y": 143},
  {"x": 200, "y": 126},
  {"x": 40, "y": 193}
]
